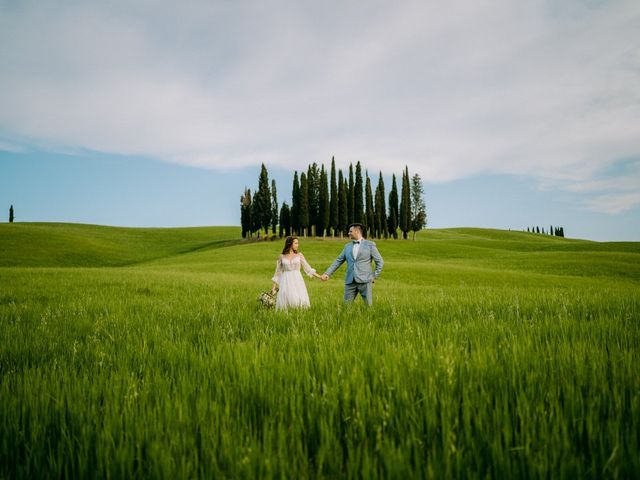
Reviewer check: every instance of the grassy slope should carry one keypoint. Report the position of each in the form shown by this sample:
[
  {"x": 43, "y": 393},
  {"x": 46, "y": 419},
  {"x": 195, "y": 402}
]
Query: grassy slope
[
  {"x": 76, "y": 245},
  {"x": 474, "y": 251}
]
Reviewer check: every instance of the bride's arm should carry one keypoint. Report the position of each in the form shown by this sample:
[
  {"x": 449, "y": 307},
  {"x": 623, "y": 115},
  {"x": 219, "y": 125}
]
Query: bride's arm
[
  {"x": 276, "y": 275},
  {"x": 307, "y": 268}
]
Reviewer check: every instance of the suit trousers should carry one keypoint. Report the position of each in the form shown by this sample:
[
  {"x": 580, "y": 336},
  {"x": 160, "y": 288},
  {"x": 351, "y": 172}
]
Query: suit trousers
[{"x": 351, "y": 291}]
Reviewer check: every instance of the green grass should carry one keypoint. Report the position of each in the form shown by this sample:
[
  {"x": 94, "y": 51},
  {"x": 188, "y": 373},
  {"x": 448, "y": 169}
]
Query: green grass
[
  {"x": 142, "y": 353},
  {"x": 76, "y": 245}
]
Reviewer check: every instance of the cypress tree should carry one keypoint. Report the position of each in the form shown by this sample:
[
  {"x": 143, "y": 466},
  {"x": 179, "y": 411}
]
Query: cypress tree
[
  {"x": 358, "y": 203},
  {"x": 333, "y": 202},
  {"x": 376, "y": 216},
  {"x": 274, "y": 207},
  {"x": 295, "y": 205},
  {"x": 392, "y": 222},
  {"x": 381, "y": 209},
  {"x": 404, "y": 221},
  {"x": 11, "y": 214},
  {"x": 343, "y": 212},
  {"x": 418, "y": 209},
  {"x": 255, "y": 214},
  {"x": 323, "y": 207},
  {"x": 263, "y": 200},
  {"x": 304, "y": 205},
  {"x": 350, "y": 191},
  {"x": 285, "y": 220},
  {"x": 245, "y": 212},
  {"x": 313, "y": 195},
  {"x": 370, "y": 222}
]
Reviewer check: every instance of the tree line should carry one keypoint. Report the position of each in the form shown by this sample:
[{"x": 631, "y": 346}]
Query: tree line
[
  {"x": 557, "y": 231},
  {"x": 324, "y": 204}
]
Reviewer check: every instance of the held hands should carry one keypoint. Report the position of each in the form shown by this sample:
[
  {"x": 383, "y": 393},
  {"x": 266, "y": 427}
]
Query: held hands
[{"x": 324, "y": 277}]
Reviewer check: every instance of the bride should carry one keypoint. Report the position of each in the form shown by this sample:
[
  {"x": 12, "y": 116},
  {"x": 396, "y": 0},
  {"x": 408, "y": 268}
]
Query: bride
[{"x": 288, "y": 281}]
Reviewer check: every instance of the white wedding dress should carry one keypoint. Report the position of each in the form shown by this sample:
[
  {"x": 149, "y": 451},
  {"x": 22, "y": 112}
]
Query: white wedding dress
[{"x": 292, "y": 291}]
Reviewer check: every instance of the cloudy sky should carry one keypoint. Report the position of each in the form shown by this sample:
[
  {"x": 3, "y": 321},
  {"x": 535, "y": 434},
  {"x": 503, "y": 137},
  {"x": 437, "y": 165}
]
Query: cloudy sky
[{"x": 513, "y": 112}]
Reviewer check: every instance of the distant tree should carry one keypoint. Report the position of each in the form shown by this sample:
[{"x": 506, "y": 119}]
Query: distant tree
[
  {"x": 11, "y": 214},
  {"x": 418, "y": 208},
  {"x": 313, "y": 185},
  {"x": 263, "y": 200},
  {"x": 551, "y": 230},
  {"x": 405, "y": 205},
  {"x": 285, "y": 220},
  {"x": 562, "y": 232},
  {"x": 343, "y": 211},
  {"x": 304, "y": 205},
  {"x": 323, "y": 206},
  {"x": 527, "y": 229},
  {"x": 333, "y": 201},
  {"x": 255, "y": 215},
  {"x": 358, "y": 203},
  {"x": 392, "y": 221},
  {"x": 537, "y": 229},
  {"x": 295, "y": 205},
  {"x": 381, "y": 209},
  {"x": 245, "y": 213},
  {"x": 370, "y": 214},
  {"x": 274, "y": 207},
  {"x": 350, "y": 193}
]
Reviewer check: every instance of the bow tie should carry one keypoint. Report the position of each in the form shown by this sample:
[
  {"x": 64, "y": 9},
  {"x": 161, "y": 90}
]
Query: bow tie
[{"x": 356, "y": 242}]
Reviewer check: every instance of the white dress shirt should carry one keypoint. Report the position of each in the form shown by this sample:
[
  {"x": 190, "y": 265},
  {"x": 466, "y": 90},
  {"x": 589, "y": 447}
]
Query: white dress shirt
[{"x": 356, "y": 248}]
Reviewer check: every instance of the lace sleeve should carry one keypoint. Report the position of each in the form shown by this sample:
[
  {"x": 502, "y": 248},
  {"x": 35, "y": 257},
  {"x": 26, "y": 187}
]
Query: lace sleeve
[
  {"x": 307, "y": 268},
  {"x": 276, "y": 276}
]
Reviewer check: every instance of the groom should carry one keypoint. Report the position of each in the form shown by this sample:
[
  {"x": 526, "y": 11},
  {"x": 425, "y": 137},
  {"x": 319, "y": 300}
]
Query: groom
[{"x": 358, "y": 254}]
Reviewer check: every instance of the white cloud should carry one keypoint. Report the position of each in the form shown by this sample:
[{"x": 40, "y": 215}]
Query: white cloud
[
  {"x": 530, "y": 88},
  {"x": 614, "y": 203},
  {"x": 11, "y": 147}
]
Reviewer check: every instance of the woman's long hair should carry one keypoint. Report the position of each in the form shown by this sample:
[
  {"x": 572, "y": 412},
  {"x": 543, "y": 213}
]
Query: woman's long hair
[{"x": 288, "y": 244}]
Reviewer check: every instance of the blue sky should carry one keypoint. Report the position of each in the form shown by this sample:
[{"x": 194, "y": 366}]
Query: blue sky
[{"x": 514, "y": 113}]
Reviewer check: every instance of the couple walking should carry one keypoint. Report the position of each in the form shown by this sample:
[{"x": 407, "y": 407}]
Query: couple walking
[{"x": 359, "y": 255}]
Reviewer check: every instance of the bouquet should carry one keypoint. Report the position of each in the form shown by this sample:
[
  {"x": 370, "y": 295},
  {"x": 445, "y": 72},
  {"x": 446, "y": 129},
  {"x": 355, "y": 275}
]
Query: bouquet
[{"x": 267, "y": 299}]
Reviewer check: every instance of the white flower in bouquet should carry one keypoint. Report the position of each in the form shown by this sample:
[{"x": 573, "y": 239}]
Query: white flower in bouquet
[{"x": 267, "y": 299}]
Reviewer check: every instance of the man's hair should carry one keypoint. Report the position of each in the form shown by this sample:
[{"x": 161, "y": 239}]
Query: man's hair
[{"x": 358, "y": 226}]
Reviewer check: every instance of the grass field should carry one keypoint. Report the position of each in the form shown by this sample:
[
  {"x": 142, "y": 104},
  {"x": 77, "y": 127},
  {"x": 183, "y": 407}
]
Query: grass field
[{"x": 131, "y": 353}]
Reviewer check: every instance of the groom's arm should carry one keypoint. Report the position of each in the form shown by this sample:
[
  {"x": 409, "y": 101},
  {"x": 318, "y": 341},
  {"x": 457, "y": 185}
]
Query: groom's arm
[
  {"x": 336, "y": 263},
  {"x": 375, "y": 254}
]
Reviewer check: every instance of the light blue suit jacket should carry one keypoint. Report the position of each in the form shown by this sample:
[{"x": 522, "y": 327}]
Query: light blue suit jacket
[{"x": 359, "y": 269}]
